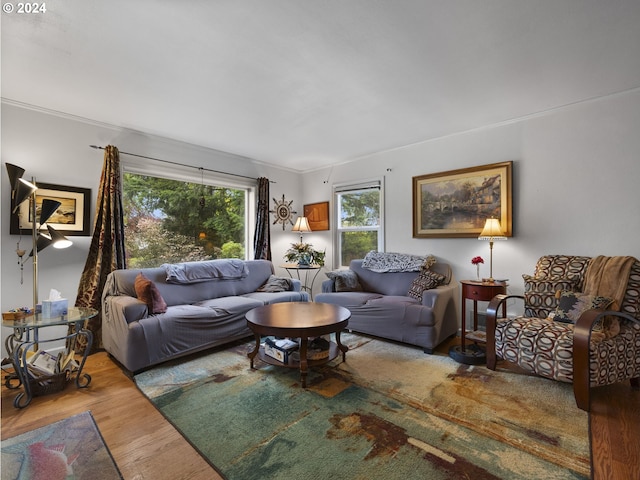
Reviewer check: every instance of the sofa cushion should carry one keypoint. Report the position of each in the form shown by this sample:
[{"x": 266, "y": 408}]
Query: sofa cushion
[
  {"x": 276, "y": 284},
  {"x": 347, "y": 299},
  {"x": 540, "y": 294},
  {"x": 392, "y": 300},
  {"x": 562, "y": 266},
  {"x": 147, "y": 292},
  {"x": 573, "y": 304},
  {"x": 425, "y": 280},
  {"x": 230, "y": 305},
  {"x": 538, "y": 345},
  {"x": 277, "y": 297},
  {"x": 345, "y": 281},
  {"x": 388, "y": 283}
]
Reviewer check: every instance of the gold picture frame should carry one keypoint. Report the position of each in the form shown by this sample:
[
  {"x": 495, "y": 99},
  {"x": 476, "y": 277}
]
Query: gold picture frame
[
  {"x": 455, "y": 204},
  {"x": 318, "y": 215},
  {"x": 72, "y": 218}
]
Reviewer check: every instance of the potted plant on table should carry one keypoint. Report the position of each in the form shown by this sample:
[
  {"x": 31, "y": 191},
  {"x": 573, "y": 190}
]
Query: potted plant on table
[{"x": 304, "y": 255}]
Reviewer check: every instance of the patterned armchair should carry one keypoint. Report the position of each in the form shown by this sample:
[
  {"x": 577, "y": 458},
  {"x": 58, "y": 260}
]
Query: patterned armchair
[{"x": 588, "y": 339}]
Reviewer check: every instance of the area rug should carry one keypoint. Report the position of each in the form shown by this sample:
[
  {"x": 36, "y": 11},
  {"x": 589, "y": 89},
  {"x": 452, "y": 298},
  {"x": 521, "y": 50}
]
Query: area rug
[
  {"x": 70, "y": 449},
  {"x": 389, "y": 411}
]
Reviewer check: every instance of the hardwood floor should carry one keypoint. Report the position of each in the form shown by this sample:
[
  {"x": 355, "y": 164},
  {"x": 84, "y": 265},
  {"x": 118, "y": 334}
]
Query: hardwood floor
[
  {"x": 142, "y": 442},
  {"x": 146, "y": 446},
  {"x": 614, "y": 428}
]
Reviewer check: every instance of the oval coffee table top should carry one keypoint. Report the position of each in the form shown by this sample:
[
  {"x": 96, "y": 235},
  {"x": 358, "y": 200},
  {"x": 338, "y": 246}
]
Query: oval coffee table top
[{"x": 291, "y": 318}]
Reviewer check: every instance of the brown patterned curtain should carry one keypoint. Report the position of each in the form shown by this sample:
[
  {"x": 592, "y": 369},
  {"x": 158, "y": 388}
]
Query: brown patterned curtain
[
  {"x": 106, "y": 252},
  {"x": 262, "y": 238}
]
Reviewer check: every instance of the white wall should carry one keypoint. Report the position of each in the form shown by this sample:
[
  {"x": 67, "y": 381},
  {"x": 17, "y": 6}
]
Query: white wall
[
  {"x": 55, "y": 149},
  {"x": 576, "y": 186}
]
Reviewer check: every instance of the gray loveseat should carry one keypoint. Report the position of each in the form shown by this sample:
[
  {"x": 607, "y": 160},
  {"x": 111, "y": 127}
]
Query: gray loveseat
[
  {"x": 205, "y": 310},
  {"x": 381, "y": 305}
]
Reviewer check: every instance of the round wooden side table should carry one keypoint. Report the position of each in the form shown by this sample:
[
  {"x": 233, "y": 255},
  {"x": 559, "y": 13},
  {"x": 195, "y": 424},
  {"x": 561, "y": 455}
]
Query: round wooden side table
[{"x": 477, "y": 291}]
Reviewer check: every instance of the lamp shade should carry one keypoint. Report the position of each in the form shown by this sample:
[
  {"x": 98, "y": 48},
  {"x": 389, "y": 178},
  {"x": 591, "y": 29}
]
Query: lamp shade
[
  {"x": 58, "y": 239},
  {"x": 301, "y": 225},
  {"x": 15, "y": 173},
  {"x": 54, "y": 238},
  {"x": 23, "y": 191},
  {"x": 43, "y": 242},
  {"x": 47, "y": 209},
  {"x": 492, "y": 230}
]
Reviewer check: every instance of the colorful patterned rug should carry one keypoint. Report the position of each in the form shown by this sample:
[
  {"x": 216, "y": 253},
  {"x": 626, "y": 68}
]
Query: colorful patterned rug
[
  {"x": 70, "y": 449},
  {"x": 389, "y": 411}
]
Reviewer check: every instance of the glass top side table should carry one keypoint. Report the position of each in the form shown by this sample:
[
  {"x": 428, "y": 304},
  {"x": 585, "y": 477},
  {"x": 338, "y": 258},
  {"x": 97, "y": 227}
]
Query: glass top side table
[
  {"x": 307, "y": 280},
  {"x": 25, "y": 338}
]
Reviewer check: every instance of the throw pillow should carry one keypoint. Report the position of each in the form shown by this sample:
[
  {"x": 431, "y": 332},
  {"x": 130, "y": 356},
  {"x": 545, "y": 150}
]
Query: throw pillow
[
  {"x": 573, "y": 304},
  {"x": 425, "y": 280},
  {"x": 540, "y": 294},
  {"x": 345, "y": 280},
  {"x": 147, "y": 292},
  {"x": 276, "y": 284}
]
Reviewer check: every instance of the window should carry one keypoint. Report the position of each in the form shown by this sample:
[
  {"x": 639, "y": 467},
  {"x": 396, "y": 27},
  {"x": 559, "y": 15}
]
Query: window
[
  {"x": 359, "y": 225},
  {"x": 185, "y": 218}
]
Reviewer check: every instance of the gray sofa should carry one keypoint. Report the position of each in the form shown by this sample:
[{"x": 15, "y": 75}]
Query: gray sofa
[
  {"x": 384, "y": 309},
  {"x": 200, "y": 312}
]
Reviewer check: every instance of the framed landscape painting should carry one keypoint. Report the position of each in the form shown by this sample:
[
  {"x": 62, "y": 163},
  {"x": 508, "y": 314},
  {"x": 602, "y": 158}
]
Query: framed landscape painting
[
  {"x": 458, "y": 202},
  {"x": 71, "y": 218}
]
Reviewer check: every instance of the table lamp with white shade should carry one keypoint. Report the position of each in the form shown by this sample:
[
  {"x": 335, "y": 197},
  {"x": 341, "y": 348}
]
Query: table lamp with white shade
[
  {"x": 301, "y": 226},
  {"x": 491, "y": 231}
]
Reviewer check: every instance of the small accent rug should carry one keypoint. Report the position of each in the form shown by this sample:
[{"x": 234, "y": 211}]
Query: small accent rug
[
  {"x": 70, "y": 449},
  {"x": 390, "y": 411}
]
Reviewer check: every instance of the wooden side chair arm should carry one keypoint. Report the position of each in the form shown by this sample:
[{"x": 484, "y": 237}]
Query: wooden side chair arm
[
  {"x": 581, "y": 352},
  {"x": 497, "y": 302}
]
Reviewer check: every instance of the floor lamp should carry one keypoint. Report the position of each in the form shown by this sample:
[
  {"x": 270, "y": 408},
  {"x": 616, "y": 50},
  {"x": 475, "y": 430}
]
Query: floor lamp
[{"x": 22, "y": 191}]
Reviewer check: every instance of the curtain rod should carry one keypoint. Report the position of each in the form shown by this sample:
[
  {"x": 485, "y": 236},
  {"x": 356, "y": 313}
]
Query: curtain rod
[{"x": 179, "y": 164}]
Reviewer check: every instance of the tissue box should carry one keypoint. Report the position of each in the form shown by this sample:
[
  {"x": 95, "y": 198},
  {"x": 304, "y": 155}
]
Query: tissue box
[
  {"x": 279, "y": 352},
  {"x": 54, "y": 308}
]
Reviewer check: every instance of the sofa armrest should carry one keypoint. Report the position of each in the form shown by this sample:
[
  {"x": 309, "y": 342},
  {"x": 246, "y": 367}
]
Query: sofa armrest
[
  {"x": 296, "y": 285},
  {"x": 130, "y": 309},
  {"x": 497, "y": 302},
  {"x": 581, "y": 346},
  {"x": 118, "y": 314},
  {"x": 431, "y": 296},
  {"x": 329, "y": 286}
]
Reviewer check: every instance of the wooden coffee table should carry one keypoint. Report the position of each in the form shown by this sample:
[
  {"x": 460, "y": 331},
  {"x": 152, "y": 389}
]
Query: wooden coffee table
[{"x": 298, "y": 320}]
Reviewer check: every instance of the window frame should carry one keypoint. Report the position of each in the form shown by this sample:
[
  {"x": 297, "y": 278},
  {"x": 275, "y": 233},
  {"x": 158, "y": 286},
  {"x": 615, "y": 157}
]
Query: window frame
[
  {"x": 199, "y": 175},
  {"x": 341, "y": 188}
]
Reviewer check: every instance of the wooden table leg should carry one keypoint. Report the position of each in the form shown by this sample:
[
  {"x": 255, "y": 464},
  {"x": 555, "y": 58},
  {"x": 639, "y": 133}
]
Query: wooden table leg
[
  {"x": 303, "y": 361},
  {"x": 342, "y": 347},
  {"x": 252, "y": 354}
]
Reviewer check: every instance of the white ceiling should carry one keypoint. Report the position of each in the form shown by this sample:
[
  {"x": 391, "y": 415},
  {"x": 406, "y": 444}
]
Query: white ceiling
[{"x": 308, "y": 83}]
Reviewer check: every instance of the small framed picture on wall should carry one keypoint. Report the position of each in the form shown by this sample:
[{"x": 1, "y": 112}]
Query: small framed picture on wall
[
  {"x": 318, "y": 215},
  {"x": 71, "y": 218}
]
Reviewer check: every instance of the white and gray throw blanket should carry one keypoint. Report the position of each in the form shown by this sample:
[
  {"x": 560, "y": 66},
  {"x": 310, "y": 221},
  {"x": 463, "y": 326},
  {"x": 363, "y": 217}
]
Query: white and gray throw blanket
[
  {"x": 195, "y": 272},
  {"x": 395, "y": 262}
]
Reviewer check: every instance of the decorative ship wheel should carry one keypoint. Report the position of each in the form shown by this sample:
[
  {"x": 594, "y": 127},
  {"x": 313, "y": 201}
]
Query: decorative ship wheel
[{"x": 283, "y": 212}]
